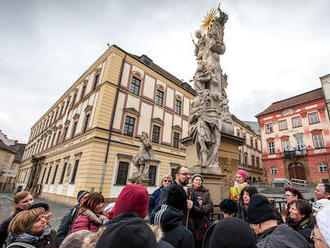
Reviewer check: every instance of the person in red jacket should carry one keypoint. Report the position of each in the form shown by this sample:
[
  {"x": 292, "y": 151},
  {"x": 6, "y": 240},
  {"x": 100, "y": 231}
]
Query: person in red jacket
[{"x": 90, "y": 214}]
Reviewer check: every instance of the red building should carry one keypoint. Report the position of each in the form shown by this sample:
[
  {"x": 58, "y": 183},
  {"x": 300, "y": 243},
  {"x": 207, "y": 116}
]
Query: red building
[{"x": 295, "y": 138}]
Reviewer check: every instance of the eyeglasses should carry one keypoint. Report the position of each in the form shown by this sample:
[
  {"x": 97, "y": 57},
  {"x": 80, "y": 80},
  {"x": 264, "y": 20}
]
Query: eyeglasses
[
  {"x": 185, "y": 174},
  {"x": 167, "y": 181}
]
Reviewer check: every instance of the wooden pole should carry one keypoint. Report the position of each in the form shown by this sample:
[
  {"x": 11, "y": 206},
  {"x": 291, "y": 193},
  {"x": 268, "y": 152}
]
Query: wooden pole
[{"x": 187, "y": 217}]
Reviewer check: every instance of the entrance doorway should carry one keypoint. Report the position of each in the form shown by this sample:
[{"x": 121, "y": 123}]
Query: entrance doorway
[{"x": 297, "y": 171}]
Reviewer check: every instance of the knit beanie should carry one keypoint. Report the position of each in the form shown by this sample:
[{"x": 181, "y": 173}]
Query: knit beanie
[
  {"x": 319, "y": 204},
  {"x": 177, "y": 197},
  {"x": 228, "y": 206},
  {"x": 197, "y": 175},
  {"x": 40, "y": 205},
  {"x": 128, "y": 233},
  {"x": 323, "y": 222},
  {"x": 81, "y": 193},
  {"x": 232, "y": 233},
  {"x": 133, "y": 198},
  {"x": 243, "y": 173},
  {"x": 260, "y": 210}
]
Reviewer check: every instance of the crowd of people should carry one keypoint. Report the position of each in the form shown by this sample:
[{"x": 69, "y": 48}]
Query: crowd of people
[{"x": 174, "y": 215}]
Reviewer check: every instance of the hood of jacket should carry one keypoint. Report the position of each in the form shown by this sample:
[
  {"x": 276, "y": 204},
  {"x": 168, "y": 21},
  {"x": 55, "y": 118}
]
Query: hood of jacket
[{"x": 167, "y": 217}]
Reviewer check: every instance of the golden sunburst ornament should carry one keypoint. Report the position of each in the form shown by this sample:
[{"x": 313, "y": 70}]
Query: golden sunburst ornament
[{"x": 208, "y": 20}]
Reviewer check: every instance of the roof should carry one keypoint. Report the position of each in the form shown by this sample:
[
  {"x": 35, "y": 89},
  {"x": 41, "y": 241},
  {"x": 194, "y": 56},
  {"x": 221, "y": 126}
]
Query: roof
[
  {"x": 3, "y": 146},
  {"x": 293, "y": 101},
  {"x": 254, "y": 126},
  {"x": 19, "y": 149},
  {"x": 242, "y": 123}
]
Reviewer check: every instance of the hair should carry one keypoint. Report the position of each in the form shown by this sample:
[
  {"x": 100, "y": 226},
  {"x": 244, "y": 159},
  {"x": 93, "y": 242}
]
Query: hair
[
  {"x": 24, "y": 219},
  {"x": 295, "y": 192},
  {"x": 91, "y": 202},
  {"x": 18, "y": 197},
  {"x": 177, "y": 170},
  {"x": 166, "y": 177},
  {"x": 303, "y": 207},
  {"x": 250, "y": 190}
]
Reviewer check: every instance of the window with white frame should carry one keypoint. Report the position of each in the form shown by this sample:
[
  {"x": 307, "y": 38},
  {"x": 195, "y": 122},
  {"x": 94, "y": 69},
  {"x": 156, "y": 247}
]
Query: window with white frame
[
  {"x": 271, "y": 147},
  {"x": 273, "y": 170},
  {"x": 152, "y": 175},
  {"x": 318, "y": 142},
  {"x": 282, "y": 125},
  {"x": 269, "y": 128},
  {"x": 299, "y": 140},
  {"x": 285, "y": 144},
  {"x": 313, "y": 118},
  {"x": 122, "y": 173},
  {"x": 159, "y": 97},
  {"x": 323, "y": 167},
  {"x": 296, "y": 122},
  {"x": 135, "y": 86}
]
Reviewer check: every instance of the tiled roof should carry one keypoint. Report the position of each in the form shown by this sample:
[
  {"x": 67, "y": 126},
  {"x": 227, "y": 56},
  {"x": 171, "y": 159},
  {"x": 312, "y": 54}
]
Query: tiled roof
[
  {"x": 254, "y": 126},
  {"x": 3, "y": 146},
  {"x": 293, "y": 101}
]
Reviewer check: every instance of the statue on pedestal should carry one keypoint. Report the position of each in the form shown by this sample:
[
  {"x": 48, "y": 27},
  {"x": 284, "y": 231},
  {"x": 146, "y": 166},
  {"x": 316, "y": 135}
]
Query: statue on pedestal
[
  {"x": 140, "y": 161},
  {"x": 210, "y": 111}
]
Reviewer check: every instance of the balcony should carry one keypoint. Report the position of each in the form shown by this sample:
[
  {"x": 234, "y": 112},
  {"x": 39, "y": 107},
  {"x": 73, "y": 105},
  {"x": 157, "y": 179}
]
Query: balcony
[{"x": 293, "y": 152}]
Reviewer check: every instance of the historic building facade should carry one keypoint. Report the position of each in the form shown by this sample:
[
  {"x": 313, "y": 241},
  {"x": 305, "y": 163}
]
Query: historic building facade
[
  {"x": 87, "y": 139},
  {"x": 295, "y": 138}
]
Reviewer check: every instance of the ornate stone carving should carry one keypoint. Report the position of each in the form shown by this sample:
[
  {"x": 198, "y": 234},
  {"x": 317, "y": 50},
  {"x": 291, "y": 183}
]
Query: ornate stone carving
[
  {"x": 210, "y": 111},
  {"x": 142, "y": 159}
]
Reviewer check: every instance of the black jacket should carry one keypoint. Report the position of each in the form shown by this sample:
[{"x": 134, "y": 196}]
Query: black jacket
[
  {"x": 4, "y": 227},
  {"x": 170, "y": 219},
  {"x": 304, "y": 227},
  {"x": 67, "y": 222}
]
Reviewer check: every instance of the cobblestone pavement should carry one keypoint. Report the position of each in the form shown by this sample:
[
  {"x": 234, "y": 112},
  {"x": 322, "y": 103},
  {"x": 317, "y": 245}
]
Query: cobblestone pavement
[{"x": 58, "y": 210}]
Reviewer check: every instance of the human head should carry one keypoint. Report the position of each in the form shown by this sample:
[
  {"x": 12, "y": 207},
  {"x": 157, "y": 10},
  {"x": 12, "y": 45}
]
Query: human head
[
  {"x": 28, "y": 221},
  {"x": 322, "y": 191},
  {"x": 241, "y": 176},
  {"x": 94, "y": 202},
  {"x": 23, "y": 200},
  {"x": 197, "y": 181},
  {"x": 299, "y": 208},
  {"x": 76, "y": 239},
  {"x": 323, "y": 224},
  {"x": 246, "y": 194},
  {"x": 292, "y": 194},
  {"x": 132, "y": 198},
  {"x": 177, "y": 197},
  {"x": 182, "y": 175},
  {"x": 232, "y": 233},
  {"x": 228, "y": 207},
  {"x": 82, "y": 196},
  {"x": 45, "y": 206},
  {"x": 167, "y": 181}
]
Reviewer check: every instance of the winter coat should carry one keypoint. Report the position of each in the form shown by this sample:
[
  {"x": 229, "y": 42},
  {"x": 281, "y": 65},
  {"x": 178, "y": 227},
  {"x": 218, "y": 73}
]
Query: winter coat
[
  {"x": 304, "y": 227},
  {"x": 242, "y": 213},
  {"x": 4, "y": 227},
  {"x": 88, "y": 221},
  {"x": 170, "y": 220},
  {"x": 281, "y": 236},
  {"x": 154, "y": 200},
  {"x": 47, "y": 239},
  {"x": 67, "y": 222},
  {"x": 201, "y": 223}
]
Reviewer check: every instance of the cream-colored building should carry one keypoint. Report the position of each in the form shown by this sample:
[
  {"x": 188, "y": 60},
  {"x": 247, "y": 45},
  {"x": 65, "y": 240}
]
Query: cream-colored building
[{"x": 87, "y": 139}]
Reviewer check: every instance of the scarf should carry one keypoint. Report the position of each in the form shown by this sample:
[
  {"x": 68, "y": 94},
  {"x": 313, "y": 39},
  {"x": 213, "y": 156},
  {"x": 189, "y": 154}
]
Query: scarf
[{"x": 26, "y": 237}]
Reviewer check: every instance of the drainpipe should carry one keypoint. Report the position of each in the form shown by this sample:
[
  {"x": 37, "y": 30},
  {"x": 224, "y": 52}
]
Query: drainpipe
[{"x": 111, "y": 124}]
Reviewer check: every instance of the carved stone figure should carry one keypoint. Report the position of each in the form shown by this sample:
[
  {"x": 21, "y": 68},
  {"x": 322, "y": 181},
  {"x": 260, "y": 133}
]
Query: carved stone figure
[
  {"x": 144, "y": 155},
  {"x": 210, "y": 111}
]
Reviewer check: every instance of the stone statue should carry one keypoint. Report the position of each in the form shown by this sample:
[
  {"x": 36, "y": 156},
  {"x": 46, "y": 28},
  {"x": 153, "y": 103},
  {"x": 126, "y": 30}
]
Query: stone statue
[
  {"x": 144, "y": 155},
  {"x": 210, "y": 111}
]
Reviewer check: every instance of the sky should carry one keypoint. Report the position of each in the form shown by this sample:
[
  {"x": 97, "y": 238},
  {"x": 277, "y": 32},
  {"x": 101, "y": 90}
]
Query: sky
[{"x": 274, "y": 49}]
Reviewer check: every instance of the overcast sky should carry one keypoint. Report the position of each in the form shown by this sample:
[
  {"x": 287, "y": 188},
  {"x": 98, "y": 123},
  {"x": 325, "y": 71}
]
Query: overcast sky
[{"x": 275, "y": 49}]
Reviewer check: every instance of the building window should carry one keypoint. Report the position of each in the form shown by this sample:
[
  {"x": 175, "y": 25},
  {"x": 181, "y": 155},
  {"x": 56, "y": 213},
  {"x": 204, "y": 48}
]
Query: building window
[
  {"x": 251, "y": 141},
  {"x": 135, "y": 86},
  {"x": 122, "y": 173},
  {"x": 285, "y": 144},
  {"x": 129, "y": 126},
  {"x": 273, "y": 170},
  {"x": 269, "y": 128},
  {"x": 245, "y": 158},
  {"x": 74, "y": 172},
  {"x": 58, "y": 137},
  {"x": 176, "y": 139},
  {"x": 253, "y": 161},
  {"x": 74, "y": 98},
  {"x": 65, "y": 132},
  {"x": 296, "y": 122},
  {"x": 63, "y": 173},
  {"x": 55, "y": 172},
  {"x": 323, "y": 167},
  {"x": 159, "y": 97},
  {"x": 43, "y": 176},
  {"x": 152, "y": 175},
  {"x": 313, "y": 118},
  {"x": 258, "y": 162},
  {"x": 318, "y": 142},
  {"x": 238, "y": 133},
  {"x": 256, "y": 144},
  {"x": 271, "y": 147},
  {"x": 86, "y": 123},
  {"x": 83, "y": 91},
  {"x": 67, "y": 104},
  {"x": 155, "y": 133},
  {"x": 282, "y": 125},
  {"x": 74, "y": 127},
  {"x": 299, "y": 140},
  {"x": 49, "y": 171},
  {"x": 96, "y": 79},
  {"x": 178, "y": 106}
]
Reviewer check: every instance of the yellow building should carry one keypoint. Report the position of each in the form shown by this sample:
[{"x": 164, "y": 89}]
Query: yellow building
[{"x": 87, "y": 139}]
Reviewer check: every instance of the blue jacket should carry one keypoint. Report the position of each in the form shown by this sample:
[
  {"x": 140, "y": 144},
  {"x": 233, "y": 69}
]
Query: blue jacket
[{"x": 154, "y": 200}]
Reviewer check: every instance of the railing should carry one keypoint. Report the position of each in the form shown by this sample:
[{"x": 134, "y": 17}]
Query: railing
[
  {"x": 299, "y": 182},
  {"x": 288, "y": 182},
  {"x": 280, "y": 205}
]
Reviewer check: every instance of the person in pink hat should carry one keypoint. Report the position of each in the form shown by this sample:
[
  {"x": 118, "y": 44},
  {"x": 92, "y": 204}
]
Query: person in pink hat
[{"x": 240, "y": 183}]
